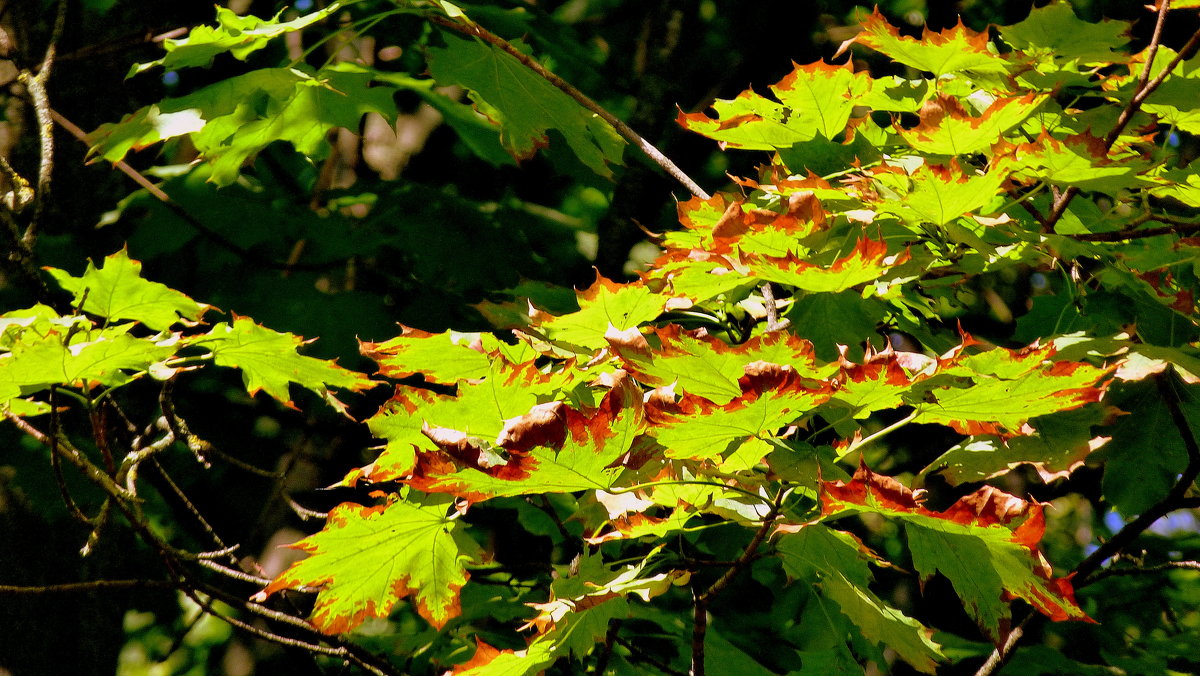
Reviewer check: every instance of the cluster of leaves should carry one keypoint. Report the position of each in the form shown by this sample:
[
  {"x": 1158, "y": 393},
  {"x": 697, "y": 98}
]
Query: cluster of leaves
[{"x": 713, "y": 426}]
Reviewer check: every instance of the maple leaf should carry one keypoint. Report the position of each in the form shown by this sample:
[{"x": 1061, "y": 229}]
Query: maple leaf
[
  {"x": 866, "y": 262},
  {"x": 1004, "y": 388},
  {"x": 1058, "y": 446},
  {"x": 230, "y": 121},
  {"x": 705, "y": 366},
  {"x": 639, "y": 525},
  {"x": 443, "y": 358},
  {"x": 480, "y": 410},
  {"x": 524, "y": 104},
  {"x": 366, "y": 559},
  {"x": 816, "y": 99},
  {"x": 104, "y": 360},
  {"x": 553, "y": 449},
  {"x": 773, "y": 396},
  {"x": 237, "y": 35},
  {"x": 938, "y": 194},
  {"x": 1081, "y": 160},
  {"x": 958, "y": 49},
  {"x": 602, "y": 305},
  {"x": 269, "y": 361},
  {"x": 985, "y": 543},
  {"x": 879, "y": 382},
  {"x": 1055, "y": 32},
  {"x": 116, "y": 290},
  {"x": 946, "y": 128},
  {"x": 838, "y": 561}
]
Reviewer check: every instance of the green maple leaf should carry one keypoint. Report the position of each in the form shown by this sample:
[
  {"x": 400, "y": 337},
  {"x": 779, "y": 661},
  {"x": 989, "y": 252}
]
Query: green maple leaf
[
  {"x": 269, "y": 361},
  {"x": 116, "y": 290},
  {"x": 772, "y": 397},
  {"x": 954, "y": 50},
  {"x": 697, "y": 280},
  {"x": 707, "y": 367},
  {"x": 603, "y": 305},
  {"x": 638, "y": 525},
  {"x": 1002, "y": 389},
  {"x": 366, "y": 559},
  {"x": 1055, "y": 32},
  {"x": 489, "y": 661},
  {"x": 938, "y": 194},
  {"x": 986, "y": 544},
  {"x": 700, "y": 365},
  {"x": 552, "y": 449},
  {"x": 816, "y": 99},
  {"x": 868, "y": 261},
  {"x": 240, "y": 36},
  {"x": 837, "y": 562},
  {"x": 1146, "y": 454},
  {"x": 1080, "y": 160},
  {"x": 479, "y": 410},
  {"x": 442, "y": 358},
  {"x": 947, "y": 128},
  {"x": 1174, "y": 102},
  {"x": 230, "y": 121},
  {"x": 1058, "y": 447},
  {"x": 526, "y": 105},
  {"x": 823, "y": 94},
  {"x": 878, "y": 383},
  {"x": 749, "y": 122},
  {"x": 104, "y": 360}
]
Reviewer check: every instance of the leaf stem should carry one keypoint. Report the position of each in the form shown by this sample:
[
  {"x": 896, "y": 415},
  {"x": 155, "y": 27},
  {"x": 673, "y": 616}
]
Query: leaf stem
[
  {"x": 655, "y": 155},
  {"x": 875, "y": 436}
]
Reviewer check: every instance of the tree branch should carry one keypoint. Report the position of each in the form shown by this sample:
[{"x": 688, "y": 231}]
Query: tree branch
[
  {"x": 36, "y": 85},
  {"x": 1145, "y": 570},
  {"x": 700, "y": 610},
  {"x": 93, "y": 585},
  {"x": 655, "y": 155}
]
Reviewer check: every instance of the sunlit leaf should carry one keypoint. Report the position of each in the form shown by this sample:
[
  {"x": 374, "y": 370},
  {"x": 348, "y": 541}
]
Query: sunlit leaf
[
  {"x": 953, "y": 50},
  {"x": 238, "y": 35},
  {"x": 231, "y": 120},
  {"x": 116, "y": 290},
  {"x": 986, "y": 544},
  {"x": 443, "y": 358},
  {"x": 551, "y": 449},
  {"x": 269, "y": 361},
  {"x": 947, "y": 128},
  {"x": 368, "y": 558}
]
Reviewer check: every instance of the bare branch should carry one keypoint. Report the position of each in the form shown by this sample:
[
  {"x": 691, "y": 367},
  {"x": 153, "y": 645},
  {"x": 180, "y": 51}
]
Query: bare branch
[{"x": 84, "y": 587}]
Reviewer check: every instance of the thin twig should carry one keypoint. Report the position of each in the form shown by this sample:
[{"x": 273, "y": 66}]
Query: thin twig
[
  {"x": 93, "y": 585},
  {"x": 655, "y": 155},
  {"x": 773, "y": 321},
  {"x": 1145, "y": 570}
]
